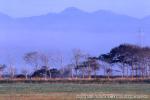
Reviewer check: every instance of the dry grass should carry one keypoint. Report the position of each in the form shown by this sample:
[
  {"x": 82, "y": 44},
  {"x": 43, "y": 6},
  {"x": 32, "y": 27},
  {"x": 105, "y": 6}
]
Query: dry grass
[
  {"x": 47, "y": 91},
  {"x": 51, "y": 96}
]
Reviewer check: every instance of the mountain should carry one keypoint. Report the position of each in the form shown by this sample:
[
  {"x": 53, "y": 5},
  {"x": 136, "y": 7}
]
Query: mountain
[
  {"x": 73, "y": 19},
  {"x": 95, "y": 32}
]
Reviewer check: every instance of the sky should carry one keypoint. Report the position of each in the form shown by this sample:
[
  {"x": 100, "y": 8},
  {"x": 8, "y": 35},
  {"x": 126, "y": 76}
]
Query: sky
[{"x": 26, "y": 8}]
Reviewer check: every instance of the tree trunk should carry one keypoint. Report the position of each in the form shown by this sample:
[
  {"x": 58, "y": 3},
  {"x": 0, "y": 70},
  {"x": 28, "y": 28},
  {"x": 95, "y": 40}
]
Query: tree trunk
[
  {"x": 83, "y": 75},
  {"x": 76, "y": 74},
  {"x": 95, "y": 74},
  {"x": 127, "y": 72},
  {"x": 108, "y": 76},
  {"x": 50, "y": 76},
  {"x": 89, "y": 72},
  {"x": 132, "y": 72}
]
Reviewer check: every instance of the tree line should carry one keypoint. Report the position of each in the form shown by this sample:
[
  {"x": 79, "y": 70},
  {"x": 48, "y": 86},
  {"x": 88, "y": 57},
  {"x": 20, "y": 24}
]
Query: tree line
[{"x": 125, "y": 61}]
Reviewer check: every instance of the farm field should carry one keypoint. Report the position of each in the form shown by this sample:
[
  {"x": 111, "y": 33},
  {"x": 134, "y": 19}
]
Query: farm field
[{"x": 68, "y": 91}]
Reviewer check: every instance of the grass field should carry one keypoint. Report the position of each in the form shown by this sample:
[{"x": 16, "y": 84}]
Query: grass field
[{"x": 47, "y": 91}]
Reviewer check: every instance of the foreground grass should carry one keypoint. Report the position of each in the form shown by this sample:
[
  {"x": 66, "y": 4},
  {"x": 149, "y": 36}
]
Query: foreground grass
[{"x": 46, "y": 91}]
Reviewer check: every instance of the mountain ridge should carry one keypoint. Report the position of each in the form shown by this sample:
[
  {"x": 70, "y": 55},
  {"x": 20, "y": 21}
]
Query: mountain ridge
[
  {"x": 74, "y": 9},
  {"x": 73, "y": 19}
]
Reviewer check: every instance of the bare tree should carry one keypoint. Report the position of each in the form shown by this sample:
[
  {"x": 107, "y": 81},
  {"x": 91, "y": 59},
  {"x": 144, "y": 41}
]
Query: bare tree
[
  {"x": 11, "y": 66},
  {"x": 95, "y": 66},
  {"x": 78, "y": 57},
  {"x": 52, "y": 60},
  {"x": 70, "y": 68},
  {"x": 32, "y": 58},
  {"x": 2, "y": 67},
  {"x": 12, "y": 71},
  {"x": 66, "y": 72},
  {"x": 60, "y": 60},
  {"x": 45, "y": 60},
  {"x": 25, "y": 73}
]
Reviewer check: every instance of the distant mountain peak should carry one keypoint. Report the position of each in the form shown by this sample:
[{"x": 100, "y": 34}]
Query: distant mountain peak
[{"x": 73, "y": 10}]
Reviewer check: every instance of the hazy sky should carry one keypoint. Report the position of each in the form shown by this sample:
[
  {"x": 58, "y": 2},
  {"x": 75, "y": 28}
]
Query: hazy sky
[{"x": 22, "y": 8}]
